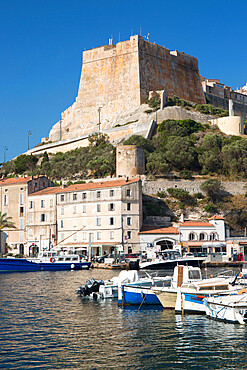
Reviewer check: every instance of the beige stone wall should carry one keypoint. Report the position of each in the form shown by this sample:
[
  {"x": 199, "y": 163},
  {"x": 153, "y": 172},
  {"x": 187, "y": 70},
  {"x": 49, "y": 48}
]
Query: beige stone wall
[
  {"x": 130, "y": 161},
  {"x": 232, "y": 125},
  {"x": 118, "y": 78}
]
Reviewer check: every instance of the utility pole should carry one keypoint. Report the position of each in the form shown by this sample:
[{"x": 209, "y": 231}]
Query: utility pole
[
  {"x": 28, "y": 134},
  {"x": 4, "y": 153},
  {"x": 99, "y": 116}
]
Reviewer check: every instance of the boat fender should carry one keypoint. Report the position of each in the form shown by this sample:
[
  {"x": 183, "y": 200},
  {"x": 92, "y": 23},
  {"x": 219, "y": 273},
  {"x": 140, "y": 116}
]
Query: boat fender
[
  {"x": 52, "y": 259},
  {"x": 72, "y": 266}
]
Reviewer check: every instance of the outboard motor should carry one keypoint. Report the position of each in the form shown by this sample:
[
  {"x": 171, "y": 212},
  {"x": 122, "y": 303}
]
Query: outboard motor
[{"x": 91, "y": 286}]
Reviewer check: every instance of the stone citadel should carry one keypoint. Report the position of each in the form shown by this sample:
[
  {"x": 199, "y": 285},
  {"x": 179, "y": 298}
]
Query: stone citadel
[{"x": 118, "y": 79}]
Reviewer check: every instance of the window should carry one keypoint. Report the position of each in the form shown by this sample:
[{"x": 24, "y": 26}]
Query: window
[
  {"x": 128, "y": 221},
  {"x": 21, "y": 223},
  {"x": 51, "y": 217},
  {"x": 98, "y": 207},
  {"x": 43, "y": 217},
  {"x": 128, "y": 192},
  {"x": 30, "y": 218},
  {"x": 98, "y": 221},
  {"x": 74, "y": 209},
  {"x": 42, "y": 204},
  {"x": 51, "y": 203},
  {"x": 111, "y": 234},
  {"x": 111, "y": 207},
  {"x": 21, "y": 199},
  {"x": 98, "y": 194},
  {"x": 192, "y": 236},
  {"x": 6, "y": 211},
  {"x": 98, "y": 235},
  {"x": 202, "y": 236},
  {"x": 84, "y": 236},
  {"x": 5, "y": 200},
  {"x": 22, "y": 238},
  {"x": 42, "y": 232},
  {"x": 62, "y": 236},
  {"x": 129, "y": 234},
  {"x": 213, "y": 236},
  {"x": 75, "y": 237},
  {"x": 74, "y": 196},
  {"x": 111, "y": 221},
  {"x": 43, "y": 184},
  {"x": 74, "y": 223},
  {"x": 21, "y": 211},
  {"x": 62, "y": 224},
  {"x": 111, "y": 193},
  {"x": 31, "y": 204},
  {"x": 84, "y": 195},
  {"x": 5, "y": 190},
  {"x": 84, "y": 208},
  {"x": 128, "y": 206},
  {"x": 35, "y": 184},
  {"x": 84, "y": 222},
  {"x": 62, "y": 211},
  {"x": 21, "y": 189},
  {"x": 31, "y": 232},
  {"x": 62, "y": 198}
]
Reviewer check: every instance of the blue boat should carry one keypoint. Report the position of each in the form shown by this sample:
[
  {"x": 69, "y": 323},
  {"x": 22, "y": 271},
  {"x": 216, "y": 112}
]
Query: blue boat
[
  {"x": 136, "y": 295},
  {"x": 46, "y": 261}
]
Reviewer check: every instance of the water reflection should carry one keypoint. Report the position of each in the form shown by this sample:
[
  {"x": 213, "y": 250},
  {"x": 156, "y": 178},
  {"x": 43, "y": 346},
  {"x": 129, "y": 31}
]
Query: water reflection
[{"x": 44, "y": 324}]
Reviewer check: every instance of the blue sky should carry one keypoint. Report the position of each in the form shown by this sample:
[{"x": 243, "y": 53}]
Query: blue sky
[{"x": 42, "y": 42}]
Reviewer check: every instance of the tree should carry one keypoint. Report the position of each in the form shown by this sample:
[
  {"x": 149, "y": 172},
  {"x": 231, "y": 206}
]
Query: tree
[
  {"x": 213, "y": 188},
  {"x": 180, "y": 153},
  {"x": 139, "y": 141},
  {"x": 5, "y": 222},
  {"x": 157, "y": 164},
  {"x": 25, "y": 163}
]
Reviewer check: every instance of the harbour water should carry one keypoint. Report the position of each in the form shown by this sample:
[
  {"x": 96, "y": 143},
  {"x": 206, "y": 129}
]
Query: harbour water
[{"x": 45, "y": 325}]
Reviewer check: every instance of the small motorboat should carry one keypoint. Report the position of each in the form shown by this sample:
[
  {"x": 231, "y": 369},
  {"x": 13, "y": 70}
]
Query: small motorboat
[
  {"x": 170, "y": 259},
  {"x": 230, "y": 308}
]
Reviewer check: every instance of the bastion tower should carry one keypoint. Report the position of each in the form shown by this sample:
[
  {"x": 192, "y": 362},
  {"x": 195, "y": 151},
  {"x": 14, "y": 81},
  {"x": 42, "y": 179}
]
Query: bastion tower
[{"x": 118, "y": 78}]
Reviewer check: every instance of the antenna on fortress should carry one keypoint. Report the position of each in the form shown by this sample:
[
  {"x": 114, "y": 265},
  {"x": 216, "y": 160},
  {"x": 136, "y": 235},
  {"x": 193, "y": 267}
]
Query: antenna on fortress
[
  {"x": 140, "y": 30},
  {"x": 131, "y": 31},
  {"x": 147, "y": 37},
  {"x": 111, "y": 40}
]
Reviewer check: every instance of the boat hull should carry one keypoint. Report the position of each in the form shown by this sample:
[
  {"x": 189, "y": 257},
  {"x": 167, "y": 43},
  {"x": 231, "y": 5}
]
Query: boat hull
[
  {"x": 171, "y": 264},
  {"x": 23, "y": 265},
  {"x": 167, "y": 298},
  {"x": 135, "y": 296}
]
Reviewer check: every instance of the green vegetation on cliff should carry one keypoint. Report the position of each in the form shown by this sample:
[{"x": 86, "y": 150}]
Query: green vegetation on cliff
[
  {"x": 188, "y": 146},
  {"x": 96, "y": 161}
]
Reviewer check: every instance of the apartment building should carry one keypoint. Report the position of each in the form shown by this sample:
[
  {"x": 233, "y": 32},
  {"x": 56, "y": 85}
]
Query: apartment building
[
  {"x": 13, "y": 202},
  {"x": 106, "y": 214}
]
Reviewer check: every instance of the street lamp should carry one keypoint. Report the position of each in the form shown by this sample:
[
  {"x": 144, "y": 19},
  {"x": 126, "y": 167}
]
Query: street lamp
[
  {"x": 99, "y": 116},
  {"x": 4, "y": 153},
  {"x": 28, "y": 134}
]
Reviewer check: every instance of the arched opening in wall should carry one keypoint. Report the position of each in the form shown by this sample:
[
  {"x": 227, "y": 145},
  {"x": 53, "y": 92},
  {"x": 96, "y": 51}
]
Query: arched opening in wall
[
  {"x": 33, "y": 251},
  {"x": 165, "y": 244},
  {"x": 192, "y": 236},
  {"x": 213, "y": 236},
  {"x": 203, "y": 236}
]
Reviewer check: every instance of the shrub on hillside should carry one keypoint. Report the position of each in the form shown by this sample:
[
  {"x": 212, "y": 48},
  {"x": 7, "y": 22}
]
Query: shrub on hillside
[{"x": 210, "y": 208}]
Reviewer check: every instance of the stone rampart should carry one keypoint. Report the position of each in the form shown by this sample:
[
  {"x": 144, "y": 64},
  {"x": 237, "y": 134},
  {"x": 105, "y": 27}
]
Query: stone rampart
[
  {"x": 192, "y": 186},
  {"x": 117, "y": 79}
]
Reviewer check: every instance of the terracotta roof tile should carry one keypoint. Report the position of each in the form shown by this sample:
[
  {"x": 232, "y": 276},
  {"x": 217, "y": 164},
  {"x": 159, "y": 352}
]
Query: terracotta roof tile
[
  {"x": 216, "y": 217},
  {"x": 13, "y": 180},
  {"x": 149, "y": 229},
  {"x": 86, "y": 186},
  {"x": 196, "y": 224}
]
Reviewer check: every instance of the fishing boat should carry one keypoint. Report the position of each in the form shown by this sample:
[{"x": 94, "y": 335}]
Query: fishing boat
[
  {"x": 230, "y": 308},
  {"x": 170, "y": 259},
  {"x": 136, "y": 294},
  {"x": 46, "y": 261}
]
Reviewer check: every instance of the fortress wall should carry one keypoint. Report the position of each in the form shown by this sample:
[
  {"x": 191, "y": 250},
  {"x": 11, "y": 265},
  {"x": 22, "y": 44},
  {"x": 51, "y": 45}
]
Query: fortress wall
[
  {"x": 176, "y": 73},
  {"x": 118, "y": 79}
]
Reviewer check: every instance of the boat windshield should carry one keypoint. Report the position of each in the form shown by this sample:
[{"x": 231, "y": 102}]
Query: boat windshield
[{"x": 194, "y": 275}]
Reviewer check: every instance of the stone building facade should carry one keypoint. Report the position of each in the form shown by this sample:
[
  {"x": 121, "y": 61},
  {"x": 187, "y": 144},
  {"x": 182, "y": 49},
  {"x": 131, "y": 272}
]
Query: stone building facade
[
  {"x": 107, "y": 212},
  {"x": 13, "y": 202},
  {"x": 118, "y": 78}
]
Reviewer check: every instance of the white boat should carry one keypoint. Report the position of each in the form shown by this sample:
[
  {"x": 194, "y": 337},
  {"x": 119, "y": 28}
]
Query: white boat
[
  {"x": 170, "y": 259},
  {"x": 230, "y": 308},
  {"x": 109, "y": 288},
  {"x": 188, "y": 289}
]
